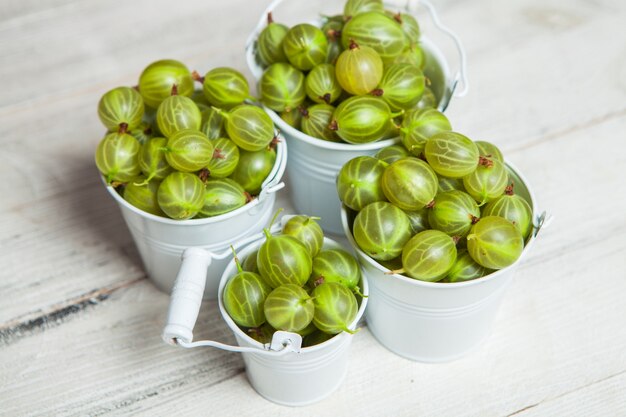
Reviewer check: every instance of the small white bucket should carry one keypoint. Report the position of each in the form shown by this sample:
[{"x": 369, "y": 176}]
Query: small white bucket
[
  {"x": 282, "y": 371},
  {"x": 432, "y": 321},
  {"x": 314, "y": 163},
  {"x": 161, "y": 241}
]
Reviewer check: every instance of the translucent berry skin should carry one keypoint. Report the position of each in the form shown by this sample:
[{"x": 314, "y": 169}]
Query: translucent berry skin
[
  {"x": 376, "y": 30},
  {"x": 381, "y": 230},
  {"x": 289, "y": 308},
  {"x": 181, "y": 195},
  {"x": 465, "y": 269},
  {"x": 409, "y": 183},
  {"x": 157, "y": 80},
  {"x": 359, "y": 69},
  {"x": 513, "y": 208},
  {"x": 213, "y": 125},
  {"x": 453, "y": 213},
  {"x": 321, "y": 84},
  {"x": 284, "y": 260},
  {"x": 451, "y": 154},
  {"x": 355, "y": 7},
  {"x": 335, "y": 307},
  {"x": 222, "y": 195},
  {"x": 392, "y": 153},
  {"x": 225, "y": 87},
  {"x": 409, "y": 26},
  {"x": 253, "y": 168},
  {"x": 361, "y": 119},
  {"x": 316, "y": 121},
  {"x": 117, "y": 157},
  {"x": 307, "y": 231},
  {"x": 414, "y": 56},
  {"x": 262, "y": 334},
  {"x": 143, "y": 132},
  {"x": 293, "y": 117},
  {"x": 419, "y": 125},
  {"x": 225, "y": 158},
  {"x": 428, "y": 100},
  {"x": 178, "y": 113},
  {"x": 152, "y": 159},
  {"x": 487, "y": 181},
  {"x": 282, "y": 87},
  {"x": 249, "y": 264},
  {"x": 336, "y": 265},
  {"x": 188, "y": 150},
  {"x": 305, "y": 46},
  {"x": 418, "y": 219},
  {"x": 244, "y": 299},
  {"x": 249, "y": 127},
  {"x": 489, "y": 150},
  {"x": 429, "y": 255},
  {"x": 269, "y": 47},
  {"x": 495, "y": 242},
  {"x": 401, "y": 87},
  {"x": 143, "y": 195},
  {"x": 121, "y": 105},
  {"x": 359, "y": 182},
  {"x": 449, "y": 184}
]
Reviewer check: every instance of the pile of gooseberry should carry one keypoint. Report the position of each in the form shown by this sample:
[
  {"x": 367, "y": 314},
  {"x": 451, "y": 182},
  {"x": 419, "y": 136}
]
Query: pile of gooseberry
[
  {"x": 439, "y": 206},
  {"x": 175, "y": 151},
  {"x": 351, "y": 79},
  {"x": 295, "y": 284}
]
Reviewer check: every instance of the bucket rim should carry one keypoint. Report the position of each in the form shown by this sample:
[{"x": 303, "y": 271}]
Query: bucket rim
[{"x": 448, "y": 285}]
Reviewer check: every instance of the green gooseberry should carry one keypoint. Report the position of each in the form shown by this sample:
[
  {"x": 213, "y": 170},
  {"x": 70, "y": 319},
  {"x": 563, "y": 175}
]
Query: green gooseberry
[
  {"x": 289, "y": 308},
  {"x": 282, "y": 87},
  {"x": 293, "y": 117},
  {"x": 394, "y": 264},
  {"x": 361, "y": 119},
  {"x": 225, "y": 158},
  {"x": 269, "y": 45},
  {"x": 316, "y": 338},
  {"x": 316, "y": 122},
  {"x": 122, "y": 106},
  {"x": 188, "y": 150},
  {"x": 199, "y": 98},
  {"x": 428, "y": 256},
  {"x": 392, "y": 153},
  {"x": 359, "y": 182},
  {"x": 513, "y": 208},
  {"x": 307, "y": 231},
  {"x": 381, "y": 230},
  {"x": 401, "y": 87},
  {"x": 157, "y": 79},
  {"x": 359, "y": 69},
  {"x": 307, "y": 330},
  {"x": 465, "y": 269},
  {"x": 181, "y": 195},
  {"x": 321, "y": 84},
  {"x": 413, "y": 55},
  {"x": 336, "y": 265},
  {"x": 418, "y": 220},
  {"x": 451, "y": 154},
  {"x": 225, "y": 87},
  {"x": 453, "y": 212},
  {"x": 262, "y": 334},
  {"x": 495, "y": 242},
  {"x": 488, "y": 180},
  {"x": 376, "y": 30},
  {"x": 332, "y": 29},
  {"x": 284, "y": 260},
  {"x": 117, "y": 157},
  {"x": 253, "y": 168},
  {"x": 428, "y": 100},
  {"x": 355, "y": 7},
  {"x": 142, "y": 194},
  {"x": 489, "y": 150},
  {"x": 419, "y": 125},
  {"x": 244, "y": 298},
  {"x": 449, "y": 184},
  {"x": 249, "y": 264},
  {"x": 222, "y": 195},
  {"x": 335, "y": 308},
  {"x": 409, "y": 26},
  {"x": 143, "y": 132},
  {"x": 177, "y": 113},
  {"x": 152, "y": 159},
  {"x": 305, "y": 46},
  {"x": 249, "y": 127},
  {"x": 212, "y": 124},
  {"x": 409, "y": 183}
]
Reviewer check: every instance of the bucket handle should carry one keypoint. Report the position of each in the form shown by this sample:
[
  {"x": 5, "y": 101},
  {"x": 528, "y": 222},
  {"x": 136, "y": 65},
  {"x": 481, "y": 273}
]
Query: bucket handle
[
  {"x": 543, "y": 221},
  {"x": 186, "y": 300}
]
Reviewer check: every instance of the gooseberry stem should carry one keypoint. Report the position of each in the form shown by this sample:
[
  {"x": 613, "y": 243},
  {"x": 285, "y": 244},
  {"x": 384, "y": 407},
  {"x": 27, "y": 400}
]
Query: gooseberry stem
[
  {"x": 509, "y": 189},
  {"x": 484, "y": 161},
  {"x": 239, "y": 268},
  {"x": 377, "y": 92},
  {"x": 333, "y": 125},
  {"x": 358, "y": 292},
  {"x": 270, "y": 18},
  {"x": 204, "y": 174},
  {"x": 174, "y": 90},
  {"x": 197, "y": 77},
  {"x": 345, "y": 329},
  {"x": 146, "y": 181},
  {"x": 396, "y": 114},
  {"x": 353, "y": 45},
  {"x": 221, "y": 112},
  {"x": 123, "y": 128},
  {"x": 267, "y": 232}
]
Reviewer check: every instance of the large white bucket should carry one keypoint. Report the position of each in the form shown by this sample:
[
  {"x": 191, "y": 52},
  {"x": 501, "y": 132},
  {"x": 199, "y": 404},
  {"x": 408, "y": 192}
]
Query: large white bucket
[
  {"x": 432, "y": 321},
  {"x": 161, "y": 241},
  {"x": 314, "y": 163},
  {"x": 282, "y": 371}
]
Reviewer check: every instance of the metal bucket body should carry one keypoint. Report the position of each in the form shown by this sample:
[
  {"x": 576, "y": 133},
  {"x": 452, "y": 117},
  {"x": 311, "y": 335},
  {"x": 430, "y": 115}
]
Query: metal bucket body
[
  {"x": 431, "y": 321},
  {"x": 301, "y": 378}
]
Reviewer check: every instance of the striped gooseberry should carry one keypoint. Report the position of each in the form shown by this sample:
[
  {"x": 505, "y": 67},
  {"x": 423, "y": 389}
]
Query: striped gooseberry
[
  {"x": 316, "y": 122},
  {"x": 212, "y": 124},
  {"x": 409, "y": 26},
  {"x": 381, "y": 230},
  {"x": 451, "y": 154},
  {"x": 282, "y": 87},
  {"x": 143, "y": 132},
  {"x": 321, "y": 84},
  {"x": 244, "y": 298},
  {"x": 428, "y": 100},
  {"x": 513, "y": 208},
  {"x": 152, "y": 159},
  {"x": 359, "y": 69},
  {"x": 283, "y": 259},
  {"x": 419, "y": 125},
  {"x": 376, "y": 30},
  {"x": 401, "y": 87},
  {"x": 413, "y": 55},
  {"x": 465, "y": 268},
  {"x": 409, "y": 183},
  {"x": 117, "y": 157},
  {"x": 335, "y": 308},
  {"x": 225, "y": 87},
  {"x": 249, "y": 264},
  {"x": 253, "y": 168},
  {"x": 181, "y": 195},
  {"x": 289, "y": 308},
  {"x": 188, "y": 150},
  {"x": 306, "y": 230},
  {"x": 225, "y": 158},
  {"x": 336, "y": 265},
  {"x": 359, "y": 182},
  {"x": 293, "y": 117},
  {"x": 269, "y": 45},
  {"x": 449, "y": 184},
  {"x": 262, "y": 334},
  {"x": 308, "y": 329},
  {"x": 199, "y": 98},
  {"x": 305, "y": 46},
  {"x": 332, "y": 30},
  {"x": 428, "y": 256},
  {"x": 418, "y": 220},
  {"x": 361, "y": 119},
  {"x": 143, "y": 194},
  {"x": 489, "y": 150},
  {"x": 494, "y": 242},
  {"x": 355, "y": 7},
  {"x": 392, "y": 153},
  {"x": 453, "y": 212},
  {"x": 488, "y": 181},
  {"x": 157, "y": 79},
  {"x": 249, "y": 127},
  {"x": 177, "y": 113},
  {"x": 222, "y": 195},
  {"x": 121, "y": 106}
]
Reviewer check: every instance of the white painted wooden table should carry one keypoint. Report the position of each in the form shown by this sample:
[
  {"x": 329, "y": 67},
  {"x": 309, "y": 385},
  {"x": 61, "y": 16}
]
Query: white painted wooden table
[{"x": 80, "y": 323}]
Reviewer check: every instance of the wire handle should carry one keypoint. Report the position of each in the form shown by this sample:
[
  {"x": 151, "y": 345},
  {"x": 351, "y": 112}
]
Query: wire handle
[{"x": 282, "y": 343}]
